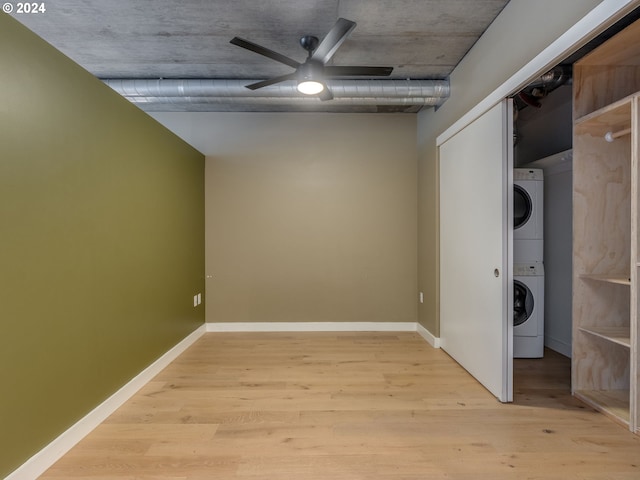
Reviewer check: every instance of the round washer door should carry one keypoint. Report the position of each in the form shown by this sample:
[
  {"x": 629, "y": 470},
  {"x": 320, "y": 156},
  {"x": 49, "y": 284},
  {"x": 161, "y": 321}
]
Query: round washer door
[
  {"x": 522, "y": 206},
  {"x": 522, "y": 303}
]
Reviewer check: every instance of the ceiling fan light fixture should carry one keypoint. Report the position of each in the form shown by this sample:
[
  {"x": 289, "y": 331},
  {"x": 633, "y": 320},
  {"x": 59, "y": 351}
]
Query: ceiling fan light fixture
[
  {"x": 310, "y": 78},
  {"x": 310, "y": 87}
]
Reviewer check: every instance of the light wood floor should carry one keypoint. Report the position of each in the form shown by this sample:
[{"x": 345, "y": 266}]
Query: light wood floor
[{"x": 348, "y": 406}]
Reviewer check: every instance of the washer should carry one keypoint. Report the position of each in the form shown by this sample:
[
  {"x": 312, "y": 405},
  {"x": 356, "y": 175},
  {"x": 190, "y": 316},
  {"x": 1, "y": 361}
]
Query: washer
[
  {"x": 528, "y": 203},
  {"x": 528, "y": 310}
]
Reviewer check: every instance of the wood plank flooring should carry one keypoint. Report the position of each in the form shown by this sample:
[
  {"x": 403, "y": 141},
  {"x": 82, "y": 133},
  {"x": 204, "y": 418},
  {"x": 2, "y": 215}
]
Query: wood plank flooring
[{"x": 347, "y": 406}]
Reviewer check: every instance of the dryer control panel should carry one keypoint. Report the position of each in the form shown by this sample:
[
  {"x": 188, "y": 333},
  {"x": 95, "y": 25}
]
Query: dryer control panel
[
  {"x": 528, "y": 270},
  {"x": 528, "y": 174}
]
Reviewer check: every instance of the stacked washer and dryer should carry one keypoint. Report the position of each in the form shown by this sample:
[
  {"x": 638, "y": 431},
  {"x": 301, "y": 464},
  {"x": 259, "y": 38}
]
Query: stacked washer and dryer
[{"x": 528, "y": 268}]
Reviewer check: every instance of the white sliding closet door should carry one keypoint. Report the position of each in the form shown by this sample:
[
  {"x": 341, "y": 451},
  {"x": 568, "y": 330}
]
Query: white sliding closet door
[{"x": 476, "y": 274}]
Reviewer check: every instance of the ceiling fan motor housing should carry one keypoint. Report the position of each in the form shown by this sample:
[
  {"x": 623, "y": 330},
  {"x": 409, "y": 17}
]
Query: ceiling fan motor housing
[{"x": 310, "y": 70}]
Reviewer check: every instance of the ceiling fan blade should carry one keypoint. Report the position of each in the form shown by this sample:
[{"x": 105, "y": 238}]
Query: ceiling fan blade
[
  {"x": 271, "y": 81},
  {"x": 333, "y": 71},
  {"x": 325, "y": 94},
  {"x": 254, "y": 47},
  {"x": 338, "y": 34}
]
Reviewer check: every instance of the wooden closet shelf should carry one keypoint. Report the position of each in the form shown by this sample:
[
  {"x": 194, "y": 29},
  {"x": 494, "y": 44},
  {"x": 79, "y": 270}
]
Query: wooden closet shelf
[
  {"x": 613, "y": 403},
  {"x": 620, "y": 279},
  {"x": 612, "y": 118},
  {"x": 618, "y": 335}
]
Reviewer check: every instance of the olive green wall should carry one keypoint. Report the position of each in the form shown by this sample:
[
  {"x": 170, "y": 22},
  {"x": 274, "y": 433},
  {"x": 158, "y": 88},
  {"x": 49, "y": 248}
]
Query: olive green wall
[
  {"x": 510, "y": 43},
  {"x": 101, "y": 242},
  {"x": 311, "y": 218}
]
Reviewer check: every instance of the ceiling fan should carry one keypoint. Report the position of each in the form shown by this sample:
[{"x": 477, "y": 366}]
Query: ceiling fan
[{"x": 312, "y": 74}]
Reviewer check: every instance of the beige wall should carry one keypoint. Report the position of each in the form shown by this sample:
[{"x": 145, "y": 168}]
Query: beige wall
[
  {"x": 311, "y": 218},
  {"x": 511, "y": 41}
]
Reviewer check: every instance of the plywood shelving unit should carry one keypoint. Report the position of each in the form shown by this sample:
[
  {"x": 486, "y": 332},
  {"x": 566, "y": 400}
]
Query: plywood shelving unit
[{"x": 606, "y": 241}]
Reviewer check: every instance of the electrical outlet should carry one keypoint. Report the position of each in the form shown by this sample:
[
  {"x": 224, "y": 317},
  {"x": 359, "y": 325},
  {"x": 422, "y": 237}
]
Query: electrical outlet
[
  {"x": 421, "y": 297},
  {"x": 197, "y": 299}
]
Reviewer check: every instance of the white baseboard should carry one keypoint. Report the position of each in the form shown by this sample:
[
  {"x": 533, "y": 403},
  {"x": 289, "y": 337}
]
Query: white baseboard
[
  {"x": 45, "y": 458},
  {"x": 325, "y": 327},
  {"x": 312, "y": 327},
  {"x": 428, "y": 336},
  {"x": 558, "y": 346}
]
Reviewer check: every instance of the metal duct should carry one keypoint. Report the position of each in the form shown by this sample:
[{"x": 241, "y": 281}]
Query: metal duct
[{"x": 216, "y": 92}]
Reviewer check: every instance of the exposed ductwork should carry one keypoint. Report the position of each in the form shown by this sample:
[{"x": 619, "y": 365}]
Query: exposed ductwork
[
  {"x": 212, "y": 94},
  {"x": 542, "y": 86}
]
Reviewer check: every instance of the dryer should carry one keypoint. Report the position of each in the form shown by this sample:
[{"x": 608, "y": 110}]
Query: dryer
[
  {"x": 528, "y": 310},
  {"x": 528, "y": 203}
]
